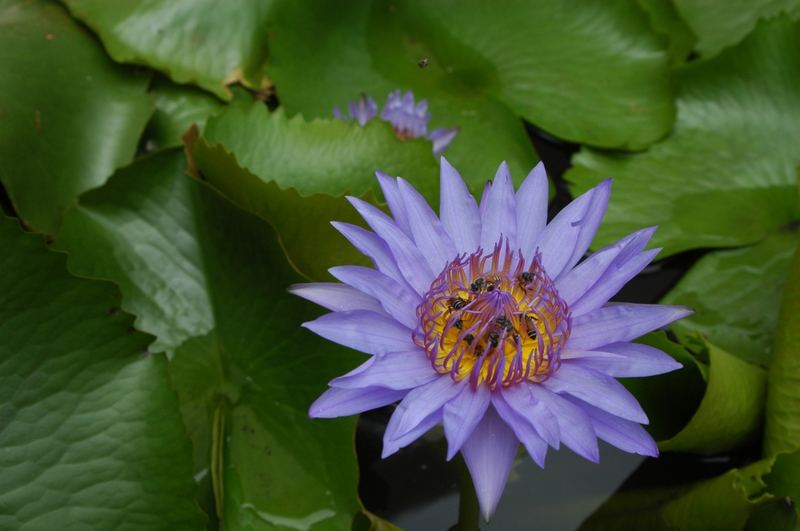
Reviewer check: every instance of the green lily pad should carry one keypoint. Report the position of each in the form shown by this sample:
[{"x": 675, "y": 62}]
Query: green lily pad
[
  {"x": 722, "y": 502},
  {"x": 91, "y": 436},
  {"x": 210, "y": 281},
  {"x": 782, "y": 429},
  {"x": 784, "y": 478},
  {"x": 177, "y": 108},
  {"x": 294, "y": 174},
  {"x": 725, "y": 177},
  {"x": 592, "y": 73},
  {"x": 732, "y": 410},
  {"x": 666, "y": 20},
  {"x": 208, "y": 43},
  {"x": 70, "y": 115},
  {"x": 719, "y": 25},
  {"x": 733, "y": 294},
  {"x": 667, "y": 410}
]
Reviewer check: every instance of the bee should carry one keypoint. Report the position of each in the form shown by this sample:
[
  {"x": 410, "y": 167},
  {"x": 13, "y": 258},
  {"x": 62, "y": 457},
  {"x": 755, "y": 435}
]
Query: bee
[
  {"x": 494, "y": 338},
  {"x": 530, "y": 325},
  {"x": 469, "y": 338},
  {"x": 459, "y": 323},
  {"x": 504, "y": 322},
  {"x": 456, "y": 303},
  {"x": 526, "y": 278},
  {"x": 477, "y": 285}
]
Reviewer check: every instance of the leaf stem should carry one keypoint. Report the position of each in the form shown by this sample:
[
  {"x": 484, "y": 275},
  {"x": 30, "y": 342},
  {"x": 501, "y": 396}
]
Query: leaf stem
[{"x": 468, "y": 509}]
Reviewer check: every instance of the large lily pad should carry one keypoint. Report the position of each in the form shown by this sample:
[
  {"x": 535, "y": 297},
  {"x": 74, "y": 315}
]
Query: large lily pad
[
  {"x": 726, "y": 175},
  {"x": 91, "y": 436},
  {"x": 734, "y": 296},
  {"x": 588, "y": 72},
  {"x": 294, "y": 174},
  {"x": 726, "y": 502},
  {"x": 718, "y": 25},
  {"x": 177, "y": 108},
  {"x": 208, "y": 43},
  {"x": 211, "y": 280},
  {"x": 70, "y": 116},
  {"x": 667, "y": 410},
  {"x": 782, "y": 429},
  {"x": 732, "y": 410}
]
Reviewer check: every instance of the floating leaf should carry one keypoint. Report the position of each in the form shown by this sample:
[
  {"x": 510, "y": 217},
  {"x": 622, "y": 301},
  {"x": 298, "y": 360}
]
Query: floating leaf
[
  {"x": 593, "y": 72},
  {"x": 782, "y": 429},
  {"x": 209, "y": 43},
  {"x": 726, "y": 175},
  {"x": 294, "y": 174},
  {"x": 91, "y": 436},
  {"x": 70, "y": 116},
  {"x": 723, "y": 502},
  {"x": 177, "y": 109},
  {"x": 667, "y": 410},
  {"x": 192, "y": 265},
  {"x": 784, "y": 478},
  {"x": 731, "y": 412},
  {"x": 665, "y": 19},
  {"x": 733, "y": 294},
  {"x": 718, "y": 26}
]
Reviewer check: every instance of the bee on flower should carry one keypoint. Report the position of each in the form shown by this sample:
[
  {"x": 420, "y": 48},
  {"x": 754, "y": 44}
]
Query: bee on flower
[{"x": 485, "y": 319}]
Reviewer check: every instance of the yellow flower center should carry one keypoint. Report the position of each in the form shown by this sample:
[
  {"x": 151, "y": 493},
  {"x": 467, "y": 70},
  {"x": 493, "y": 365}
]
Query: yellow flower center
[{"x": 489, "y": 318}]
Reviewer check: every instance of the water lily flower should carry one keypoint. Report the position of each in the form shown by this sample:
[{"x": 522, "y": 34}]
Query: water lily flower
[
  {"x": 409, "y": 119},
  {"x": 486, "y": 319}
]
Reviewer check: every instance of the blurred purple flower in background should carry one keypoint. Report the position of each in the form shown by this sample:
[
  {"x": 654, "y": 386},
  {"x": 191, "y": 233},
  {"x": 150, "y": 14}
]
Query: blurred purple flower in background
[
  {"x": 409, "y": 119},
  {"x": 485, "y": 319}
]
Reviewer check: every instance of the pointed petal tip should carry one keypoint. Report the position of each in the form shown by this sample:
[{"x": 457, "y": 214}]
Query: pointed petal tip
[
  {"x": 316, "y": 410},
  {"x": 294, "y": 288}
]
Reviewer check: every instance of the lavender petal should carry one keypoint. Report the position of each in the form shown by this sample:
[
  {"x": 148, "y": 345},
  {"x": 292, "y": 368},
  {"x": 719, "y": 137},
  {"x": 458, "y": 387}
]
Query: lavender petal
[
  {"x": 409, "y": 259},
  {"x": 442, "y": 138},
  {"x": 531, "y": 209},
  {"x": 624, "y": 434},
  {"x": 372, "y": 246},
  {"x": 573, "y": 284},
  {"x": 617, "y": 275},
  {"x": 524, "y": 430},
  {"x": 336, "y": 297},
  {"x": 392, "y": 446},
  {"x": 536, "y": 413},
  {"x": 394, "y": 298},
  {"x": 462, "y": 414},
  {"x": 364, "y": 331},
  {"x": 489, "y": 454},
  {"x": 391, "y": 193},
  {"x": 562, "y": 239},
  {"x": 621, "y": 322},
  {"x": 429, "y": 234},
  {"x": 420, "y": 403},
  {"x": 395, "y": 370},
  {"x": 574, "y": 424},
  {"x": 343, "y": 402},
  {"x": 596, "y": 388},
  {"x": 499, "y": 218},
  {"x": 459, "y": 211},
  {"x": 623, "y": 360}
]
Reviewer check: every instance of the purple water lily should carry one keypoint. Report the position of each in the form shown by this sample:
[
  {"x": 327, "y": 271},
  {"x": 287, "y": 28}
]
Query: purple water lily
[
  {"x": 409, "y": 119},
  {"x": 485, "y": 319}
]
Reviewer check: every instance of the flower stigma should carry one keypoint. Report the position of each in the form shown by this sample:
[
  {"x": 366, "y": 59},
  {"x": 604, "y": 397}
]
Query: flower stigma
[{"x": 489, "y": 318}]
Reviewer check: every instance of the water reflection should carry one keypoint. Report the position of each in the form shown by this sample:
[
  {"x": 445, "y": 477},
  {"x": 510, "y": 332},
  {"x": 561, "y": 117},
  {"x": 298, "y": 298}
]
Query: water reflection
[{"x": 417, "y": 490}]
